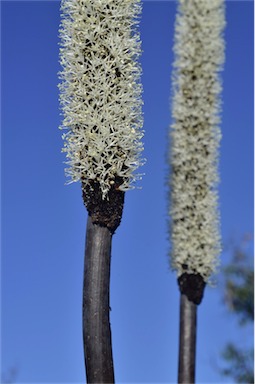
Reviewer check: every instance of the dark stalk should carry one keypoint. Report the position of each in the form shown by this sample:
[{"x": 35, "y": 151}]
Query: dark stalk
[
  {"x": 192, "y": 290},
  {"x": 187, "y": 341},
  {"x": 96, "y": 319},
  {"x": 103, "y": 220}
]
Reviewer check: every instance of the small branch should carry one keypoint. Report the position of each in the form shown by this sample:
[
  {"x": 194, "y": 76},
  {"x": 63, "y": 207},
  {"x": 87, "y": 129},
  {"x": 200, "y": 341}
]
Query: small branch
[
  {"x": 96, "y": 322},
  {"x": 187, "y": 341}
]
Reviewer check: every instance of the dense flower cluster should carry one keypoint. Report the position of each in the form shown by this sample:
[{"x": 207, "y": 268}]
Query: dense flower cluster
[
  {"x": 100, "y": 92},
  {"x": 195, "y": 136}
]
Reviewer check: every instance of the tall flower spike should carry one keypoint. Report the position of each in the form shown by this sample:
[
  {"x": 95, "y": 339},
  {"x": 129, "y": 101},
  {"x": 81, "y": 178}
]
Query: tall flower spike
[
  {"x": 100, "y": 92},
  {"x": 100, "y": 96},
  {"x": 195, "y": 137}
]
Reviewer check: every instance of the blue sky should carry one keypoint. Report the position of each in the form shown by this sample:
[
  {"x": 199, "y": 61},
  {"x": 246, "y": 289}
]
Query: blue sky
[{"x": 44, "y": 221}]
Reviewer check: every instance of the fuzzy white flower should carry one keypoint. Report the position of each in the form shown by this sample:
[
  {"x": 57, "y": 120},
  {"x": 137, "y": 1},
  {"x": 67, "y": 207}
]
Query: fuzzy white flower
[
  {"x": 195, "y": 136},
  {"x": 100, "y": 93}
]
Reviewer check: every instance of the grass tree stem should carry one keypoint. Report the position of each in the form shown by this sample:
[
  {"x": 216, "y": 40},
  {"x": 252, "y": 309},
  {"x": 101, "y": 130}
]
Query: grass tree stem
[
  {"x": 187, "y": 340},
  {"x": 96, "y": 306},
  {"x": 195, "y": 138},
  {"x": 100, "y": 96}
]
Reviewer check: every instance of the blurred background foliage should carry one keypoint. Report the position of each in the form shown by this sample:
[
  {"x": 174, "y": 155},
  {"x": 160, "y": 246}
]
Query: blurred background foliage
[{"x": 238, "y": 288}]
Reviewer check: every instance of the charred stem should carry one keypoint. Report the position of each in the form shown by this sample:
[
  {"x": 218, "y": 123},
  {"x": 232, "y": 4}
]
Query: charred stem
[
  {"x": 192, "y": 289},
  {"x": 104, "y": 217}
]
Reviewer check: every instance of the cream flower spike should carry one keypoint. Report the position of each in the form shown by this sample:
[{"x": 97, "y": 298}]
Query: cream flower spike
[
  {"x": 100, "y": 92},
  {"x": 195, "y": 137}
]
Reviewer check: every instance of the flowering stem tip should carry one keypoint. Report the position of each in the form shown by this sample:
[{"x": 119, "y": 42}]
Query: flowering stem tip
[
  {"x": 100, "y": 93},
  {"x": 195, "y": 137}
]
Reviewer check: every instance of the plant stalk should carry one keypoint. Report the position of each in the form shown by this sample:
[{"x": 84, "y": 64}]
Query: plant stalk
[
  {"x": 96, "y": 319},
  {"x": 187, "y": 341}
]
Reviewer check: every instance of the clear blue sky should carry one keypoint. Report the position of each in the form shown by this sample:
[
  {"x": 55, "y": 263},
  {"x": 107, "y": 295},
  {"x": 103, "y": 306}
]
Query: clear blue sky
[{"x": 44, "y": 221}]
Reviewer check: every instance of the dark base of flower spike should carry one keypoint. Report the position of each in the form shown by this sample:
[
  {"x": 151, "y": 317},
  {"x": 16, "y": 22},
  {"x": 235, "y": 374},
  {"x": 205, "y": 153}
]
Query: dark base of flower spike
[
  {"x": 192, "y": 285},
  {"x": 104, "y": 212}
]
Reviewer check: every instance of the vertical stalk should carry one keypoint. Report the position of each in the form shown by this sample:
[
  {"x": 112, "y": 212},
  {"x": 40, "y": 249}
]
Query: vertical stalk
[
  {"x": 187, "y": 341},
  {"x": 195, "y": 138},
  {"x": 96, "y": 323},
  {"x": 100, "y": 95}
]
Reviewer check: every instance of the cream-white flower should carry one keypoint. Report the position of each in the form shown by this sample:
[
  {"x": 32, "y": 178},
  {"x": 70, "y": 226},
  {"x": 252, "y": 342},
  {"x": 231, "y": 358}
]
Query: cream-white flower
[
  {"x": 100, "y": 92},
  {"x": 195, "y": 136}
]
